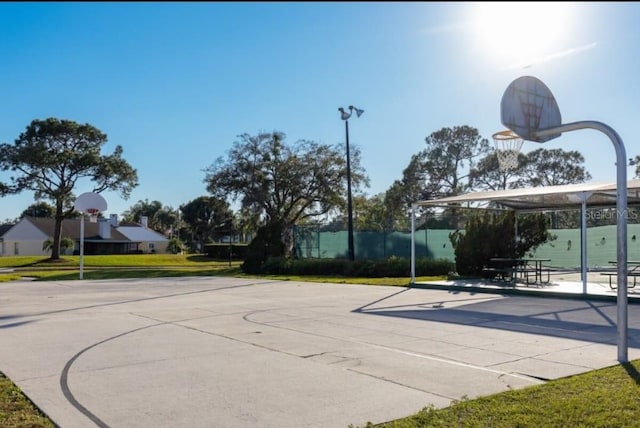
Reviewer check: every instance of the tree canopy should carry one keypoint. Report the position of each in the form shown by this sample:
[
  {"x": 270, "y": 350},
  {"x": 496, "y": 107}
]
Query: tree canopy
[
  {"x": 207, "y": 218},
  {"x": 279, "y": 183},
  {"x": 450, "y": 154},
  {"x": 442, "y": 169},
  {"x": 39, "y": 209},
  {"x": 49, "y": 158},
  {"x": 552, "y": 167},
  {"x": 159, "y": 217}
]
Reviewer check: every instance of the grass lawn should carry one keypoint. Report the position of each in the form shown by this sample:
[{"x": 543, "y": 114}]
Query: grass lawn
[
  {"x": 608, "y": 397},
  {"x": 16, "y": 411}
]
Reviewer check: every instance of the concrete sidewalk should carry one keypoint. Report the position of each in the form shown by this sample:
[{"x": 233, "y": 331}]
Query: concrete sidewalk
[
  {"x": 561, "y": 284},
  {"x": 227, "y": 352}
]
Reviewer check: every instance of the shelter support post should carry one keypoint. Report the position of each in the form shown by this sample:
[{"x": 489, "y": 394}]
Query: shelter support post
[
  {"x": 583, "y": 238},
  {"x": 413, "y": 244}
]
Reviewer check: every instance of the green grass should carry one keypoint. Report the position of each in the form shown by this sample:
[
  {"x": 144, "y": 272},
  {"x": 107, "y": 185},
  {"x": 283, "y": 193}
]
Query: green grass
[
  {"x": 114, "y": 267},
  {"x": 126, "y": 260},
  {"x": 17, "y": 411},
  {"x": 608, "y": 397},
  {"x": 154, "y": 266}
]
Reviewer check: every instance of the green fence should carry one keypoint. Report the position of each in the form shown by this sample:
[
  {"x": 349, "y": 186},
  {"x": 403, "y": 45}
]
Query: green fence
[
  {"x": 310, "y": 243},
  {"x": 563, "y": 252},
  {"x": 600, "y": 246}
]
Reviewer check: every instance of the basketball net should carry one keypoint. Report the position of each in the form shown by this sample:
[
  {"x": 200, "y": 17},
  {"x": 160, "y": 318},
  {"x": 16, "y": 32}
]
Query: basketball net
[
  {"x": 508, "y": 147},
  {"x": 93, "y": 215}
]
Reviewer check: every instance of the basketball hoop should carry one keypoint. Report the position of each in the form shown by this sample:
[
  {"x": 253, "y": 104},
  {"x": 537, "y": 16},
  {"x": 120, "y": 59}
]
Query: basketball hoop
[
  {"x": 93, "y": 214},
  {"x": 508, "y": 147}
]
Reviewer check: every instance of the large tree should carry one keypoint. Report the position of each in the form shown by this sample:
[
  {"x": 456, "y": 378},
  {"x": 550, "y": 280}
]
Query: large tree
[
  {"x": 552, "y": 167},
  {"x": 40, "y": 209},
  {"x": 281, "y": 184},
  {"x": 450, "y": 155},
  {"x": 442, "y": 169},
  {"x": 159, "y": 217},
  {"x": 49, "y": 158},
  {"x": 207, "y": 218},
  {"x": 371, "y": 214},
  {"x": 410, "y": 188}
]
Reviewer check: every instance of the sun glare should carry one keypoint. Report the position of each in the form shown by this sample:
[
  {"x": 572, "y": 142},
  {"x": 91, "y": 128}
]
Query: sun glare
[{"x": 520, "y": 33}]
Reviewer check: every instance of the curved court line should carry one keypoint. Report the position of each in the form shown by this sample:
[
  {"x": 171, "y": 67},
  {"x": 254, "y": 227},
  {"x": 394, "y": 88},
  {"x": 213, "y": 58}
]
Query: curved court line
[{"x": 64, "y": 376}]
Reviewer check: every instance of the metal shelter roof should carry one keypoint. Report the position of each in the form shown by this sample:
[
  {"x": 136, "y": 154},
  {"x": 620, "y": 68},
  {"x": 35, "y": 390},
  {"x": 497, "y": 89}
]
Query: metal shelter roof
[{"x": 564, "y": 196}]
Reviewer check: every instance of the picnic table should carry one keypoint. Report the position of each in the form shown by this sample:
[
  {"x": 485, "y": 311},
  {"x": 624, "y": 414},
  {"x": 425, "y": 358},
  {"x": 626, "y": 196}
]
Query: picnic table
[
  {"x": 500, "y": 268},
  {"x": 535, "y": 267},
  {"x": 529, "y": 270},
  {"x": 633, "y": 271}
]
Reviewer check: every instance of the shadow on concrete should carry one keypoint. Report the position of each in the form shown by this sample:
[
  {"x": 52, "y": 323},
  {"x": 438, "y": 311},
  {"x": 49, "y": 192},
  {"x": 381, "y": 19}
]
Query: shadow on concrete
[
  {"x": 568, "y": 319},
  {"x": 12, "y": 324}
]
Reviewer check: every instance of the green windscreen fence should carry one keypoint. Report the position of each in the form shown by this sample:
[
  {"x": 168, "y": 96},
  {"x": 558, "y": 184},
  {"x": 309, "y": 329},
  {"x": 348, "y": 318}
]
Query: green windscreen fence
[
  {"x": 600, "y": 246},
  {"x": 310, "y": 243},
  {"x": 434, "y": 243}
]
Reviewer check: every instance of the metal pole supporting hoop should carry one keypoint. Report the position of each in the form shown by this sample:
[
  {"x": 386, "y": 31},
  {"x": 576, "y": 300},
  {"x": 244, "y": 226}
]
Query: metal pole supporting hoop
[{"x": 508, "y": 148}]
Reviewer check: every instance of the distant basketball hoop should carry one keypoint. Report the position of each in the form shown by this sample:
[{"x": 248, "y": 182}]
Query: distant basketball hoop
[
  {"x": 508, "y": 147},
  {"x": 92, "y": 204}
]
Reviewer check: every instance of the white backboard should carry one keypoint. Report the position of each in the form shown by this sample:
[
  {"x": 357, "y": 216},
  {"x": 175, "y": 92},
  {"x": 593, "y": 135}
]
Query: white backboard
[
  {"x": 90, "y": 201},
  {"x": 528, "y": 106}
]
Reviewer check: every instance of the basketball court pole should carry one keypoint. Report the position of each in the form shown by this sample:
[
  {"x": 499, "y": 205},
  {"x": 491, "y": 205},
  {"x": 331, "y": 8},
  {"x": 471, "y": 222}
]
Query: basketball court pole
[
  {"x": 91, "y": 203},
  {"x": 621, "y": 213},
  {"x": 529, "y": 110},
  {"x": 81, "y": 243}
]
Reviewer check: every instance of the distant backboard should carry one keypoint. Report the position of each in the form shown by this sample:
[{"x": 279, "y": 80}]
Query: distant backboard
[
  {"x": 528, "y": 106},
  {"x": 90, "y": 203}
]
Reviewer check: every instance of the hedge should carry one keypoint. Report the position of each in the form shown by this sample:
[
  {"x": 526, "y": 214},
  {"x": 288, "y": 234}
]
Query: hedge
[{"x": 392, "y": 267}]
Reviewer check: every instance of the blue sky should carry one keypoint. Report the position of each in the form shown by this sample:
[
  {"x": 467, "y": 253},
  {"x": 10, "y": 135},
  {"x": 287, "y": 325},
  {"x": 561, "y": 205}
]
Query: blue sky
[{"x": 176, "y": 83}]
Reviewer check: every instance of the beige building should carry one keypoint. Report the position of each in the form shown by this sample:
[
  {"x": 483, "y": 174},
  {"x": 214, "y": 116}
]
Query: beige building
[{"x": 26, "y": 238}]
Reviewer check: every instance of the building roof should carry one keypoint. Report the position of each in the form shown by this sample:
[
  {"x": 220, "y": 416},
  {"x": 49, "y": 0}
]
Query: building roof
[
  {"x": 565, "y": 196},
  {"x": 71, "y": 229},
  {"x": 139, "y": 233},
  {"x": 4, "y": 228}
]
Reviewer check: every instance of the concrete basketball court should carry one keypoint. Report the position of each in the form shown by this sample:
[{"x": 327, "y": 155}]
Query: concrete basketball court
[{"x": 228, "y": 352}]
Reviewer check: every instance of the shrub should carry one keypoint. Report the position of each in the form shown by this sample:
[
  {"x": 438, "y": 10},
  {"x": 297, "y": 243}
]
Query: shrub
[
  {"x": 395, "y": 267},
  {"x": 276, "y": 266},
  {"x": 221, "y": 251},
  {"x": 65, "y": 244},
  {"x": 488, "y": 235},
  {"x": 267, "y": 243},
  {"x": 175, "y": 246}
]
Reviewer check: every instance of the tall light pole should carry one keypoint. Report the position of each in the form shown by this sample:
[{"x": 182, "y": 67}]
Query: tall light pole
[{"x": 345, "y": 116}]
